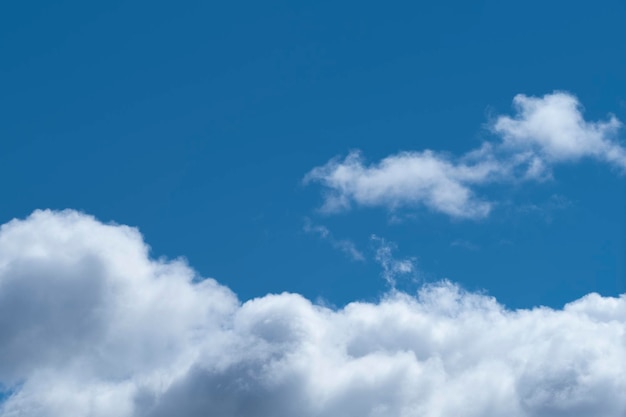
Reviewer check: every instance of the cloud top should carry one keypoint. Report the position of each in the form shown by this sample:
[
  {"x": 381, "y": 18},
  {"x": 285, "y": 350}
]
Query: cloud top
[
  {"x": 91, "y": 325},
  {"x": 543, "y": 132}
]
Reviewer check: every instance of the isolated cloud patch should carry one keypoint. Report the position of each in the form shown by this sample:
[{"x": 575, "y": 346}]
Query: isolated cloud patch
[
  {"x": 90, "y": 325},
  {"x": 553, "y": 128},
  {"x": 544, "y": 131},
  {"x": 406, "y": 179}
]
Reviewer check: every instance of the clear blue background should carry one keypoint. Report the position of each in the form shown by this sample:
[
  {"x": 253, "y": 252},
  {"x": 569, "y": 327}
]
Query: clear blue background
[{"x": 196, "y": 121}]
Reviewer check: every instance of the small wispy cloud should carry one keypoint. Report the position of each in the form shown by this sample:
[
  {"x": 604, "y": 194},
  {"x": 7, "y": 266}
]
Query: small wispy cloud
[
  {"x": 546, "y": 210},
  {"x": 555, "y": 202},
  {"x": 465, "y": 244},
  {"x": 543, "y": 132},
  {"x": 344, "y": 245},
  {"x": 391, "y": 266}
]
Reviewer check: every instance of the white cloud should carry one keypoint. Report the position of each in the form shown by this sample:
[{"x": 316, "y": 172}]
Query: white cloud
[
  {"x": 545, "y": 131},
  {"x": 344, "y": 245},
  {"x": 91, "y": 326},
  {"x": 552, "y": 127},
  {"x": 406, "y": 179}
]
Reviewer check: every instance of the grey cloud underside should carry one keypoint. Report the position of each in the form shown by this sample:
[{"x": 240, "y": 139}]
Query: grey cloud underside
[
  {"x": 91, "y": 326},
  {"x": 545, "y": 131}
]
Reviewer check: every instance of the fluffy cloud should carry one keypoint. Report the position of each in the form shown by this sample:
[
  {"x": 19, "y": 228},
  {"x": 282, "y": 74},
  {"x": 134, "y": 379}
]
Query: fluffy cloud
[
  {"x": 544, "y": 131},
  {"x": 409, "y": 178},
  {"x": 553, "y": 129},
  {"x": 91, "y": 326}
]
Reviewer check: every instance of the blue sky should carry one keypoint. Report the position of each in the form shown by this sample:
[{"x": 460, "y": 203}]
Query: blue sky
[
  {"x": 356, "y": 209},
  {"x": 197, "y": 123}
]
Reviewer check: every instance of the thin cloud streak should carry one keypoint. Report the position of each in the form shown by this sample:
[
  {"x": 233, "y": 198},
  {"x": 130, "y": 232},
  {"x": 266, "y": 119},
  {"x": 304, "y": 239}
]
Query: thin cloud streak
[
  {"x": 344, "y": 245},
  {"x": 392, "y": 267}
]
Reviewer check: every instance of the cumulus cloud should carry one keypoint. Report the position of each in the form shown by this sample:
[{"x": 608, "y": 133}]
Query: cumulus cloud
[
  {"x": 544, "y": 131},
  {"x": 553, "y": 129},
  {"x": 90, "y": 325}
]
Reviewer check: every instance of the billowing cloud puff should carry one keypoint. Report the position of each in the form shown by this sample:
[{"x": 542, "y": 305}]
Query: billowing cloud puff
[
  {"x": 545, "y": 131},
  {"x": 91, "y": 326},
  {"x": 554, "y": 128}
]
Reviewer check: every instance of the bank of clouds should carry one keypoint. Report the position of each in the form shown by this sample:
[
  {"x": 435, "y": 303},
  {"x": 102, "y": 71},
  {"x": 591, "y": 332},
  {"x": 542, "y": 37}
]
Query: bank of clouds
[{"x": 90, "y": 325}]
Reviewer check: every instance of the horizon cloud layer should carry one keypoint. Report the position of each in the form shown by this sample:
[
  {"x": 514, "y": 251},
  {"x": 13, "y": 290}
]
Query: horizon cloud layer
[{"x": 90, "y": 325}]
